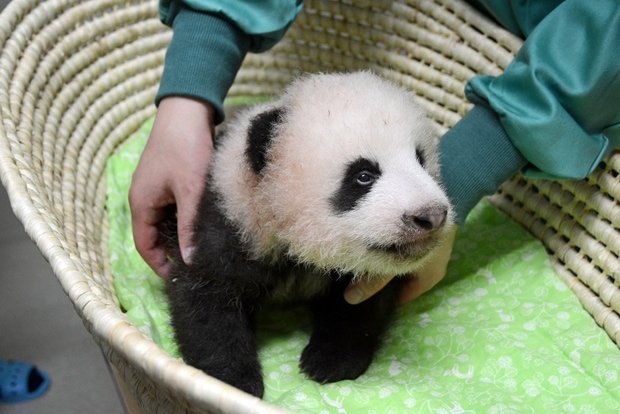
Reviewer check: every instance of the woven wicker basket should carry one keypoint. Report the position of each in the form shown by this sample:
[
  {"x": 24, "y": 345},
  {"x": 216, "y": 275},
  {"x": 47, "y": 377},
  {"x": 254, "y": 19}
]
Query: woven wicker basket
[{"x": 77, "y": 78}]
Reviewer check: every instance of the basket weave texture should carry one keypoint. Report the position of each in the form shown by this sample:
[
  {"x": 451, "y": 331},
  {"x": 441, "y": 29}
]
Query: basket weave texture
[{"x": 77, "y": 78}]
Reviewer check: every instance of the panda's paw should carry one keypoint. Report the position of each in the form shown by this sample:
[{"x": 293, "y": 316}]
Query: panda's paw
[
  {"x": 244, "y": 375},
  {"x": 326, "y": 362},
  {"x": 251, "y": 385}
]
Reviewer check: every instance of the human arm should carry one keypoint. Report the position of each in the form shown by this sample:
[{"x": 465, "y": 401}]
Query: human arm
[
  {"x": 171, "y": 171},
  {"x": 206, "y": 51},
  {"x": 558, "y": 99},
  {"x": 553, "y": 112},
  {"x": 210, "y": 40}
]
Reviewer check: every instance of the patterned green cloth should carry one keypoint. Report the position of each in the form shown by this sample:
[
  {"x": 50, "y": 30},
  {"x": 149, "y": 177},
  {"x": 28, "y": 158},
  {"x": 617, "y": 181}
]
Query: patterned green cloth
[{"x": 500, "y": 334}]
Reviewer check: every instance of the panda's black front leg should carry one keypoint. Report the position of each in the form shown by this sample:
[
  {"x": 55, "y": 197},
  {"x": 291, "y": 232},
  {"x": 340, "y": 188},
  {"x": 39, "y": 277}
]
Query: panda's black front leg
[
  {"x": 214, "y": 330},
  {"x": 346, "y": 337},
  {"x": 213, "y": 299}
]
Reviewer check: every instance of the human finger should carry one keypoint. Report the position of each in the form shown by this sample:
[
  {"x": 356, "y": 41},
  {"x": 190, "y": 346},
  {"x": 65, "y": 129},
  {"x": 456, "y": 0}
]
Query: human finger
[
  {"x": 146, "y": 239},
  {"x": 358, "y": 291}
]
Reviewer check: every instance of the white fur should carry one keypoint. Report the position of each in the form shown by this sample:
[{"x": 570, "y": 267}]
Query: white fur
[{"x": 332, "y": 120}]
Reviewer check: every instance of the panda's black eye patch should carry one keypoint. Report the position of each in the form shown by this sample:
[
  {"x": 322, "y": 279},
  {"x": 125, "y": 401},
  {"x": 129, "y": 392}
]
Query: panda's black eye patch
[{"x": 358, "y": 179}]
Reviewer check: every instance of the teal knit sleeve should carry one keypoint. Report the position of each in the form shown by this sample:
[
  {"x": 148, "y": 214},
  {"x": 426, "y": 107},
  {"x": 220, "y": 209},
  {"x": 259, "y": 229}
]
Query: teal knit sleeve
[
  {"x": 558, "y": 101},
  {"x": 476, "y": 158},
  {"x": 202, "y": 59},
  {"x": 265, "y": 21},
  {"x": 210, "y": 41}
]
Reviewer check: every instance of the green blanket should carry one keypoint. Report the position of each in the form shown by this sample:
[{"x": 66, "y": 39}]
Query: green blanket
[{"x": 501, "y": 333}]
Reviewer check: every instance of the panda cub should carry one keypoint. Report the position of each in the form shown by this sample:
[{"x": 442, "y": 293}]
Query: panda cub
[{"x": 336, "y": 180}]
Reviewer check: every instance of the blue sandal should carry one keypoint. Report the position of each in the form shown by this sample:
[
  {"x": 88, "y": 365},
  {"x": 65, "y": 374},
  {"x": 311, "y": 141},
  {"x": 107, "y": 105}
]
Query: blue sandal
[{"x": 20, "y": 381}]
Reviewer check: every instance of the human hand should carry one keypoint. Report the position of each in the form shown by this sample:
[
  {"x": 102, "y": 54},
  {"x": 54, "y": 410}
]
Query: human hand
[
  {"x": 428, "y": 276},
  {"x": 171, "y": 171}
]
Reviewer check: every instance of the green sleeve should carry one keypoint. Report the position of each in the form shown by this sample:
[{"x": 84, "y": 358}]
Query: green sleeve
[
  {"x": 265, "y": 21},
  {"x": 476, "y": 158},
  {"x": 558, "y": 101},
  {"x": 210, "y": 40}
]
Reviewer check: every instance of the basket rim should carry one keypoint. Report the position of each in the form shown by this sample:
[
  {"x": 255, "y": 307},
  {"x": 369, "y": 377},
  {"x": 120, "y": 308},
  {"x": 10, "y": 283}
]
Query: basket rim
[{"x": 105, "y": 321}]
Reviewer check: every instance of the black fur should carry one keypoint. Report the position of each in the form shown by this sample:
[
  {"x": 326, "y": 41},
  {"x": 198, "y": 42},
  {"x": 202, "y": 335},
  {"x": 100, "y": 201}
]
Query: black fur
[
  {"x": 351, "y": 190},
  {"x": 419, "y": 155},
  {"x": 345, "y": 337},
  {"x": 214, "y": 301},
  {"x": 260, "y": 134}
]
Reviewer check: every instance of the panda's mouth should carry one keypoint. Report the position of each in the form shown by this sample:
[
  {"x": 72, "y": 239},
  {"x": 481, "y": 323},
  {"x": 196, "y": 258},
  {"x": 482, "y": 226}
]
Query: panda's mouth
[{"x": 408, "y": 251}]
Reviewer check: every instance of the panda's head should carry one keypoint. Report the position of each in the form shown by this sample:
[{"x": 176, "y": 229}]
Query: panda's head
[{"x": 341, "y": 172}]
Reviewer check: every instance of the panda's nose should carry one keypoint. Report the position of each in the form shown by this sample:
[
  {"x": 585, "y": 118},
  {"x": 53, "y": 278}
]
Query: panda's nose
[{"x": 426, "y": 219}]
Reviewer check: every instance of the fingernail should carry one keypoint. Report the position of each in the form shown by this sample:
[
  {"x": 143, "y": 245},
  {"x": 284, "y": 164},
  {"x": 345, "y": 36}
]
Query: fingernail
[
  {"x": 187, "y": 254},
  {"x": 353, "y": 295}
]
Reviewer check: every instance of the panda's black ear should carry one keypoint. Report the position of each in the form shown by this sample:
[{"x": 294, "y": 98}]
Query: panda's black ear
[{"x": 260, "y": 135}]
